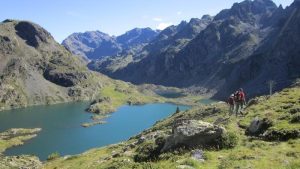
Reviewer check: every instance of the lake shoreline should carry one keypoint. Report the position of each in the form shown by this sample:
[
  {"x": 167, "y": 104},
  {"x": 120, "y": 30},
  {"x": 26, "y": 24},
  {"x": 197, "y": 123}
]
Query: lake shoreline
[{"x": 61, "y": 123}]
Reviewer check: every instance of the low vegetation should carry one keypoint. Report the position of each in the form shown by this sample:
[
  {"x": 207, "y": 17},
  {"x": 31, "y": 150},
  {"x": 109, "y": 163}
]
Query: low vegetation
[
  {"x": 53, "y": 156},
  {"x": 111, "y": 97},
  {"x": 15, "y": 137}
]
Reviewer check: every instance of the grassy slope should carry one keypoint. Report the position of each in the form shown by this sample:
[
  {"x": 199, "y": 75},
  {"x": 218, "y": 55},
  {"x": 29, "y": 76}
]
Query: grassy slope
[{"x": 249, "y": 153}]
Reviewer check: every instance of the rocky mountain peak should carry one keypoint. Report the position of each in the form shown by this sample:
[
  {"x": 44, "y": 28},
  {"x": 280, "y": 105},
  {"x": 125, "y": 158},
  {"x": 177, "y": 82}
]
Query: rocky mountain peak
[
  {"x": 207, "y": 17},
  {"x": 247, "y": 10},
  {"x": 194, "y": 21},
  {"x": 92, "y": 45},
  {"x": 33, "y": 34},
  {"x": 182, "y": 24},
  {"x": 136, "y": 36}
]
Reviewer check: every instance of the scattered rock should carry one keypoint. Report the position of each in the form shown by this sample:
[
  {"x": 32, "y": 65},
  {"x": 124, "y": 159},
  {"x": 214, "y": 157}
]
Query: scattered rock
[
  {"x": 22, "y": 162},
  {"x": 150, "y": 136},
  {"x": 141, "y": 140},
  {"x": 185, "y": 167},
  {"x": 75, "y": 92},
  {"x": 116, "y": 154},
  {"x": 67, "y": 157},
  {"x": 221, "y": 120},
  {"x": 198, "y": 155},
  {"x": 220, "y": 157},
  {"x": 132, "y": 145},
  {"x": 126, "y": 160}
]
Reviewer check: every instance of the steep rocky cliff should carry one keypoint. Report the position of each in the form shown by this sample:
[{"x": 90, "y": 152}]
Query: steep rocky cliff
[
  {"x": 246, "y": 46},
  {"x": 37, "y": 70}
]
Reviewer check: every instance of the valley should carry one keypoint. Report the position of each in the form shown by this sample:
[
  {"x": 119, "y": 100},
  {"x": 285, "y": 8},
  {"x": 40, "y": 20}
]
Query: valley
[{"x": 154, "y": 98}]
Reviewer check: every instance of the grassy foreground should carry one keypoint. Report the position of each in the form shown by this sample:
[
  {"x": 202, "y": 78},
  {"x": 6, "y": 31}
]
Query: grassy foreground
[{"x": 279, "y": 150}]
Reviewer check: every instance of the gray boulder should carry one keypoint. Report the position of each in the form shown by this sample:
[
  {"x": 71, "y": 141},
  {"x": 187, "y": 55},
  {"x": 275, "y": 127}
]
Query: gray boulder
[
  {"x": 258, "y": 126},
  {"x": 193, "y": 133}
]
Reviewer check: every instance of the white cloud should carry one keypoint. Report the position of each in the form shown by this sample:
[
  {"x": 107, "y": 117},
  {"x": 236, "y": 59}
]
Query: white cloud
[
  {"x": 163, "y": 25},
  {"x": 179, "y": 13},
  {"x": 157, "y": 19}
]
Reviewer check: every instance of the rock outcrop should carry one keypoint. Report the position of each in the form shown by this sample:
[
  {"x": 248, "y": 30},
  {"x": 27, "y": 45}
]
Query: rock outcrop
[
  {"x": 32, "y": 34},
  {"x": 24, "y": 162},
  {"x": 192, "y": 133}
]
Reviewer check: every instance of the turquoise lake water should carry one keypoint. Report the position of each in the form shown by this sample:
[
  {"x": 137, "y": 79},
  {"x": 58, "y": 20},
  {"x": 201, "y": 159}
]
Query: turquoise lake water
[{"x": 61, "y": 130}]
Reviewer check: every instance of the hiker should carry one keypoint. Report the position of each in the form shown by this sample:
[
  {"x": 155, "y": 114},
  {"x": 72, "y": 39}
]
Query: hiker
[
  {"x": 240, "y": 101},
  {"x": 231, "y": 103}
]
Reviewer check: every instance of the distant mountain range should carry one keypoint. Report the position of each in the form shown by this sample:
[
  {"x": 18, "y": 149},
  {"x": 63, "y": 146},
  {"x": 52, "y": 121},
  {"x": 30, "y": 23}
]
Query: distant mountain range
[
  {"x": 93, "y": 45},
  {"x": 246, "y": 46}
]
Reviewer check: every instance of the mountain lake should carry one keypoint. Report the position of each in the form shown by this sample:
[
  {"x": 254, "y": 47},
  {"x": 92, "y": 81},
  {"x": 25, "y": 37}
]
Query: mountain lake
[{"x": 62, "y": 131}]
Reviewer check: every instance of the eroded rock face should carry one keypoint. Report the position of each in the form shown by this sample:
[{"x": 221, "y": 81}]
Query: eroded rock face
[
  {"x": 65, "y": 79},
  {"x": 193, "y": 133},
  {"x": 31, "y": 34}
]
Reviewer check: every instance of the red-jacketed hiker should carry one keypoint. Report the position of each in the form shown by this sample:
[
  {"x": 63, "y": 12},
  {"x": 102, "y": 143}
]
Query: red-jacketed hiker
[{"x": 240, "y": 101}]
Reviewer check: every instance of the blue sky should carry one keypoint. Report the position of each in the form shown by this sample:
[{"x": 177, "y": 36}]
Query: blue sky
[{"x": 64, "y": 17}]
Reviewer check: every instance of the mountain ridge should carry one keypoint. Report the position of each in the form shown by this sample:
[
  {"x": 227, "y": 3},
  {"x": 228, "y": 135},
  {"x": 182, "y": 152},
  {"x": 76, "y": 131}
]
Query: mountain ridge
[
  {"x": 228, "y": 53},
  {"x": 93, "y": 45}
]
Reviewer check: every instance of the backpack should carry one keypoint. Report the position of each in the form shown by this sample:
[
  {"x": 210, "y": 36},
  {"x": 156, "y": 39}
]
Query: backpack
[
  {"x": 241, "y": 96},
  {"x": 237, "y": 96}
]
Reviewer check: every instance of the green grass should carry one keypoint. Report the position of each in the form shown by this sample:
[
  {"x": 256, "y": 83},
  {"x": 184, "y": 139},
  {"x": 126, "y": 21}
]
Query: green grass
[
  {"x": 277, "y": 108},
  {"x": 119, "y": 94},
  {"x": 7, "y": 139},
  {"x": 53, "y": 156}
]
